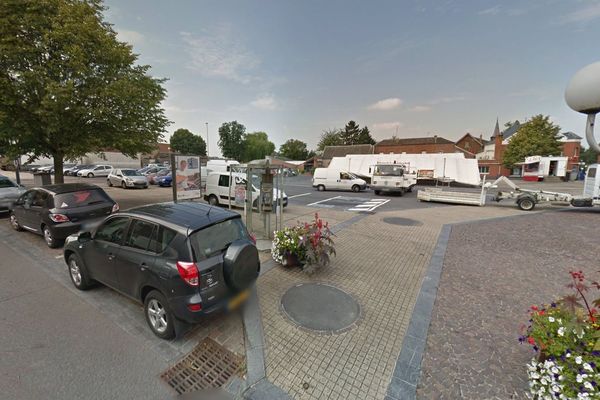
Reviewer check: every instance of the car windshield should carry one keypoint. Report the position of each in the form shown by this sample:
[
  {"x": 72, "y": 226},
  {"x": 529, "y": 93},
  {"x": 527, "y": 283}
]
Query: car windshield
[
  {"x": 388, "y": 170},
  {"x": 6, "y": 183},
  {"x": 130, "y": 172},
  {"x": 216, "y": 238},
  {"x": 80, "y": 198}
]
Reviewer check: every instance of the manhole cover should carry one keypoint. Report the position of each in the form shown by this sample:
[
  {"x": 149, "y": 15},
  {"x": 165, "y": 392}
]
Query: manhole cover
[
  {"x": 402, "y": 221},
  {"x": 209, "y": 365},
  {"x": 320, "y": 308}
]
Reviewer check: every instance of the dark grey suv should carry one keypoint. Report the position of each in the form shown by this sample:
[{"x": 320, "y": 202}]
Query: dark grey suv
[{"x": 181, "y": 261}]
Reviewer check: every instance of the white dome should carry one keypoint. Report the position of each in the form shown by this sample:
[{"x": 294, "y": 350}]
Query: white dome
[{"x": 583, "y": 92}]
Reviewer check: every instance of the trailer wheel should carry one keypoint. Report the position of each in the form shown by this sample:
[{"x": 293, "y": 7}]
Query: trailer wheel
[{"x": 526, "y": 203}]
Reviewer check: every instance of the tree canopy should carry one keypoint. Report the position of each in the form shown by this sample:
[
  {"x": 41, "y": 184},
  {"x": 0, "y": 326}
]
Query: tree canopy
[
  {"x": 185, "y": 142},
  {"x": 68, "y": 86},
  {"x": 231, "y": 140},
  {"x": 536, "y": 137},
  {"x": 589, "y": 156},
  {"x": 294, "y": 149},
  {"x": 257, "y": 146},
  {"x": 330, "y": 137}
]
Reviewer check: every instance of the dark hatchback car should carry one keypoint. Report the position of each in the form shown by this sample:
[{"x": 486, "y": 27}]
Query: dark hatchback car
[
  {"x": 57, "y": 211},
  {"x": 181, "y": 261}
]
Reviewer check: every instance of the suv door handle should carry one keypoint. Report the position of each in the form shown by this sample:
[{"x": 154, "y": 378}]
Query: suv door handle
[
  {"x": 143, "y": 266},
  {"x": 111, "y": 256}
]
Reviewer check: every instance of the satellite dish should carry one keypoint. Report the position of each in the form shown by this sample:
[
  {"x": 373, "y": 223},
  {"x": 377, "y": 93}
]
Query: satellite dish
[{"x": 583, "y": 95}]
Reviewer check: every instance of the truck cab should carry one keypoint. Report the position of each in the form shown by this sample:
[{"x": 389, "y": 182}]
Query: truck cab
[{"x": 395, "y": 178}]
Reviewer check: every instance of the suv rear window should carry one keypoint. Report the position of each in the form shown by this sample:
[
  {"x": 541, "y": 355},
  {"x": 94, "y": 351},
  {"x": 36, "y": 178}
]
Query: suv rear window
[
  {"x": 214, "y": 239},
  {"x": 80, "y": 198}
]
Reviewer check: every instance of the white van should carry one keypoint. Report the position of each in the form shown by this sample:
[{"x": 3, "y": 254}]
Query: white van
[
  {"x": 218, "y": 191},
  {"x": 337, "y": 179}
]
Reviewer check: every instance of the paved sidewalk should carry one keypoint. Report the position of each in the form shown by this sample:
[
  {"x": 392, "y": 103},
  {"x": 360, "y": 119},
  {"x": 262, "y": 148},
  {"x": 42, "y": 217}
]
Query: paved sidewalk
[
  {"x": 382, "y": 266},
  {"x": 492, "y": 273}
]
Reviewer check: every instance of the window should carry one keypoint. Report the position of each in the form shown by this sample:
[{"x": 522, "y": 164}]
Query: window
[
  {"x": 224, "y": 180},
  {"x": 27, "y": 198},
  {"x": 160, "y": 239},
  {"x": 112, "y": 230},
  {"x": 6, "y": 183},
  {"x": 484, "y": 169},
  {"x": 592, "y": 173},
  {"x": 40, "y": 198},
  {"x": 214, "y": 239},
  {"x": 81, "y": 198},
  {"x": 344, "y": 175},
  {"x": 140, "y": 234}
]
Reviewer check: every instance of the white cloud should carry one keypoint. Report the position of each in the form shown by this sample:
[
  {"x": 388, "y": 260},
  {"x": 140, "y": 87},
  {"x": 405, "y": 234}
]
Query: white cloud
[
  {"x": 585, "y": 14},
  {"x": 420, "y": 109},
  {"x": 219, "y": 54},
  {"x": 387, "y": 126},
  {"x": 265, "y": 102},
  {"x": 131, "y": 37},
  {"x": 490, "y": 11},
  {"x": 386, "y": 104}
]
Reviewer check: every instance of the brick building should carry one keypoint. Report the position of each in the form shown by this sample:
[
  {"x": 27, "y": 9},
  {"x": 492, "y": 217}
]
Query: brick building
[
  {"x": 434, "y": 144},
  {"x": 491, "y": 157}
]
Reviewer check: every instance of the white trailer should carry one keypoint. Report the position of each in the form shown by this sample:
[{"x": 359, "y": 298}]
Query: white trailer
[{"x": 526, "y": 199}]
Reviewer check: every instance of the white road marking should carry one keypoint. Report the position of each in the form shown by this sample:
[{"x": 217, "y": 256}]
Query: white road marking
[
  {"x": 323, "y": 201},
  {"x": 57, "y": 257},
  {"x": 369, "y": 206},
  {"x": 298, "y": 195}
]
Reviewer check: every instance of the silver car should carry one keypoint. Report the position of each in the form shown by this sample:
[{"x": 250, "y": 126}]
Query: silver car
[
  {"x": 9, "y": 192},
  {"x": 127, "y": 178}
]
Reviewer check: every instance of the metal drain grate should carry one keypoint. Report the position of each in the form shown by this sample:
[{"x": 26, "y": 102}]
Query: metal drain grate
[{"x": 209, "y": 365}]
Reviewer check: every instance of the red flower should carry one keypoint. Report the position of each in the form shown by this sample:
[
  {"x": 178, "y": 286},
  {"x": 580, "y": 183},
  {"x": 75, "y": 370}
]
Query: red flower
[
  {"x": 534, "y": 308},
  {"x": 542, "y": 312},
  {"x": 531, "y": 341}
]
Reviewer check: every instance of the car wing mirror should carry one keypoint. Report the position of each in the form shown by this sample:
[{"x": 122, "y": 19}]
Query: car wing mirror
[{"x": 85, "y": 236}]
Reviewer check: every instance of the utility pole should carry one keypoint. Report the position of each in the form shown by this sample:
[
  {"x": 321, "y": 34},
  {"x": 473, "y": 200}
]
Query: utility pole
[{"x": 207, "y": 148}]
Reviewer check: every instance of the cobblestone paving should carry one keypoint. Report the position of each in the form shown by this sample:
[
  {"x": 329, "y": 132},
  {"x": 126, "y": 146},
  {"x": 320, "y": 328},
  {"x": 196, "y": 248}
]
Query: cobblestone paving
[
  {"x": 382, "y": 265},
  {"x": 493, "y": 272}
]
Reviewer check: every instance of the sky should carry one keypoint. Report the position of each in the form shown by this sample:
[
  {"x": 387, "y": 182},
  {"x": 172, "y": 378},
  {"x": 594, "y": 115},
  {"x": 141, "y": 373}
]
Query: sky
[{"x": 407, "y": 68}]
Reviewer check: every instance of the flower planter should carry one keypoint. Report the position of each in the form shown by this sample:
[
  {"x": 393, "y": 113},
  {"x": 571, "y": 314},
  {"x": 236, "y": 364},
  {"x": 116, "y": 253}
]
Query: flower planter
[{"x": 292, "y": 260}]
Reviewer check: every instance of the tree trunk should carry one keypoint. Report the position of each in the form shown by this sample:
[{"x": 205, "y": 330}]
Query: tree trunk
[{"x": 58, "y": 168}]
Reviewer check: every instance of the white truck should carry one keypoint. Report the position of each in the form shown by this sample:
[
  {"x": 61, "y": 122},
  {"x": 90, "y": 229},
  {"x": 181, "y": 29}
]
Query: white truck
[{"x": 392, "y": 177}]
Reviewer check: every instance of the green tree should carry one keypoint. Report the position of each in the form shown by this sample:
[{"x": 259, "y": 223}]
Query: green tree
[
  {"x": 231, "y": 140},
  {"x": 185, "y": 142},
  {"x": 537, "y": 136},
  {"x": 257, "y": 146},
  {"x": 589, "y": 156},
  {"x": 294, "y": 149},
  {"x": 330, "y": 137},
  {"x": 364, "y": 137},
  {"x": 68, "y": 86},
  {"x": 351, "y": 133}
]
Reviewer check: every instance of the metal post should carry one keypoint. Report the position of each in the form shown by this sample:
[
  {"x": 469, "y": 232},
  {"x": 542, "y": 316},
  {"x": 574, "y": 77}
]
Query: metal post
[
  {"x": 589, "y": 132},
  {"x": 230, "y": 184},
  {"x": 174, "y": 177},
  {"x": 207, "y": 146},
  {"x": 18, "y": 170},
  {"x": 248, "y": 202}
]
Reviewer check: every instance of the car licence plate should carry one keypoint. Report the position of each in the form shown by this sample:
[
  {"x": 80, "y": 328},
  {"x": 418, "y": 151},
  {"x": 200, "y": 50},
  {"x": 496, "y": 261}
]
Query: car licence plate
[{"x": 238, "y": 300}]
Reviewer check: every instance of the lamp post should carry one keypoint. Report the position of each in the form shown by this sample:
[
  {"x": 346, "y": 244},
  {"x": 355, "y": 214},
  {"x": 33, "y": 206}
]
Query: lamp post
[
  {"x": 207, "y": 147},
  {"x": 583, "y": 95}
]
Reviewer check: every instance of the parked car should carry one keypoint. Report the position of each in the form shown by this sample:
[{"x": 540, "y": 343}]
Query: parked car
[
  {"x": 336, "y": 179},
  {"x": 127, "y": 178},
  {"x": 165, "y": 181},
  {"x": 95, "y": 170},
  {"x": 181, "y": 261},
  {"x": 150, "y": 170},
  {"x": 152, "y": 177},
  {"x": 73, "y": 170},
  {"x": 57, "y": 211},
  {"x": 218, "y": 191},
  {"x": 65, "y": 167},
  {"x": 44, "y": 168},
  {"x": 9, "y": 193}
]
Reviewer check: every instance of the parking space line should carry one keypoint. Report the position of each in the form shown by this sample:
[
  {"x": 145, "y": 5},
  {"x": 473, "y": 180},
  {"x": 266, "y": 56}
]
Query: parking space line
[
  {"x": 369, "y": 206},
  {"x": 323, "y": 201},
  {"x": 299, "y": 195}
]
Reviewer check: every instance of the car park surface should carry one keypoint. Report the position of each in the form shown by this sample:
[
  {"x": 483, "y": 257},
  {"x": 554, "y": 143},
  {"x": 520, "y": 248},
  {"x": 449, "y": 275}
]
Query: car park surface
[{"x": 182, "y": 261}]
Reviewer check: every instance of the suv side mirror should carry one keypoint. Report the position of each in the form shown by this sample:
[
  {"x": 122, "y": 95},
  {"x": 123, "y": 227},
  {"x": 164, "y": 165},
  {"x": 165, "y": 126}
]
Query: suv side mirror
[{"x": 85, "y": 236}]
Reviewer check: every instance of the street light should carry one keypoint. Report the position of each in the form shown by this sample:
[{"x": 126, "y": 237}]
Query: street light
[
  {"x": 207, "y": 139},
  {"x": 583, "y": 95}
]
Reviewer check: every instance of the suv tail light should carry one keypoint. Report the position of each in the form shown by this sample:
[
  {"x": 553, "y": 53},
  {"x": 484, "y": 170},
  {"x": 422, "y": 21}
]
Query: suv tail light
[
  {"x": 188, "y": 272},
  {"x": 59, "y": 218},
  {"x": 115, "y": 208},
  {"x": 253, "y": 238}
]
